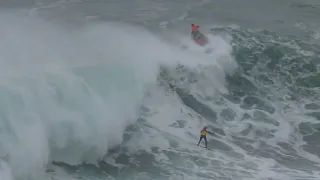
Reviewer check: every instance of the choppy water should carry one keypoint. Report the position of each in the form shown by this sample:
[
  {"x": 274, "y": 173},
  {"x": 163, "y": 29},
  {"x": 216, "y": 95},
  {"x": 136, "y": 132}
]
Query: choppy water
[{"x": 102, "y": 90}]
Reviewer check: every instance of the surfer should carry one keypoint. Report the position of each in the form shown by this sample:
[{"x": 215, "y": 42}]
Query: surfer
[
  {"x": 197, "y": 36},
  {"x": 203, "y": 135}
]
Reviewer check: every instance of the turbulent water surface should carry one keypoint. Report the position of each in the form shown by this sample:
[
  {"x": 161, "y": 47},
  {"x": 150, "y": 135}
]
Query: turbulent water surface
[{"x": 103, "y": 90}]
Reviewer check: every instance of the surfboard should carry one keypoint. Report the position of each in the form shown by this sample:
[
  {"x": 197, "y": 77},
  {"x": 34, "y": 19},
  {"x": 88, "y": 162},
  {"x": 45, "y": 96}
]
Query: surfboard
[{"x": 202, "y": 146}]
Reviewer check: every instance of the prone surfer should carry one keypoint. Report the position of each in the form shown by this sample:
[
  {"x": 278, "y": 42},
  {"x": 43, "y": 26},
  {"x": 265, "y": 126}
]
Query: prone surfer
[{"x": 197, "y": 36}]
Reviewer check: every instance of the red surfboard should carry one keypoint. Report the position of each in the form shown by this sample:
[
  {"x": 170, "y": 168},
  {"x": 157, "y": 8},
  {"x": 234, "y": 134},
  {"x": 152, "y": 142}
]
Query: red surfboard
[{"x": 201, "y": 40}]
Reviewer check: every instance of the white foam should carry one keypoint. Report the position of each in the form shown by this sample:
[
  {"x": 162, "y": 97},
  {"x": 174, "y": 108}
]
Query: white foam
[
  {"x": 68, "y": 95},
  {"x": 167, "y": 107},
  {"x": 5, "y": 171}
]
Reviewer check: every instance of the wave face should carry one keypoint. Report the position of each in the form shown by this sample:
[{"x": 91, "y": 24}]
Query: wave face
[
  {"x": 107, "y": 100},
  {"x": 67, "y": 96}
]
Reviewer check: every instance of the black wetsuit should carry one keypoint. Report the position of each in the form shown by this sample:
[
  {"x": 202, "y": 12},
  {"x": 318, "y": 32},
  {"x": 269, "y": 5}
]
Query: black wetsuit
[
  {"x": 196, "y": 35},
  {"x": 203, "y": 136}
]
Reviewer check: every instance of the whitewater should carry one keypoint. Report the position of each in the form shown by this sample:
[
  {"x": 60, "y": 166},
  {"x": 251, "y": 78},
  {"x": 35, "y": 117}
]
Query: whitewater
[{"x": 103, "y": 90}]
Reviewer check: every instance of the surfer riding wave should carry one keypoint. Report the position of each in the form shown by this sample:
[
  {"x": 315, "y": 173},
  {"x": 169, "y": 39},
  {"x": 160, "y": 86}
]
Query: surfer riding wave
[{"x": 197, "y": 36}]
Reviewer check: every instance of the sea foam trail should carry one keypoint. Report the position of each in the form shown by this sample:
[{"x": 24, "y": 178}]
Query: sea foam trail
[{"x": 68, "y": 95}]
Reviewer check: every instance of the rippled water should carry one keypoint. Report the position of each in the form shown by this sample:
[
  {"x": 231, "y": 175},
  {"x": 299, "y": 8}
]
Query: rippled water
[{"x": 102, "y": 90}]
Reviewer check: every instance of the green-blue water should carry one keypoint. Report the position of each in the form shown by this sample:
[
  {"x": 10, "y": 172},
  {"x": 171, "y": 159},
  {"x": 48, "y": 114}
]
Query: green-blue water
[{"x": 80, "y": 118}]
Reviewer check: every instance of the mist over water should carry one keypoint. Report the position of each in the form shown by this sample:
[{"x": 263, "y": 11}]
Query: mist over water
[{"x": 68, "y": 95}]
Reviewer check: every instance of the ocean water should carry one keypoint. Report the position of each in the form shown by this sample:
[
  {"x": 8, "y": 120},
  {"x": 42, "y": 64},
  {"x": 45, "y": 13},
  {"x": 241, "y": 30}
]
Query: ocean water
[{"x": 103, "y": 90}]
